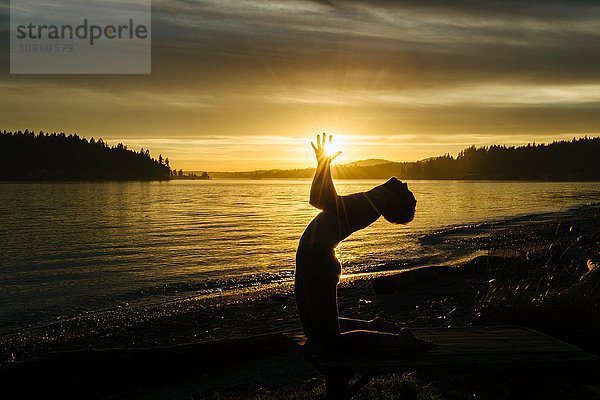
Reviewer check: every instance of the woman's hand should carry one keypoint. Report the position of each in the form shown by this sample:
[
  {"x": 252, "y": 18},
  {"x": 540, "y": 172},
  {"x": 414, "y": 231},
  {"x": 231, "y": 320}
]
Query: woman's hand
[{"x": 321, "y": 149}]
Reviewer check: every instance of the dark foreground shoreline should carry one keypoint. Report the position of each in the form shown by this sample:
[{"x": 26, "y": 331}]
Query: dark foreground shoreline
[{"x": 519, "y": 271}]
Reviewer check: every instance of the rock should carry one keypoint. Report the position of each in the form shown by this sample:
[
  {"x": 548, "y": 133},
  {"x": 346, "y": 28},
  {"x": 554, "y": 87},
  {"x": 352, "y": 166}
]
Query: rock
[
  {"x": 500, "y": 264},
  {"x": 384, "y": 285},
  {"x": 485, "y": 263},
  {"x": 404, "y": 280}
]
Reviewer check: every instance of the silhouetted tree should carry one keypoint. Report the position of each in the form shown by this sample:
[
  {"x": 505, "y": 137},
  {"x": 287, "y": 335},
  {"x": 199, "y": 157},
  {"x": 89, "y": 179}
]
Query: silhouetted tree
[{"x": 25, "y": 156}]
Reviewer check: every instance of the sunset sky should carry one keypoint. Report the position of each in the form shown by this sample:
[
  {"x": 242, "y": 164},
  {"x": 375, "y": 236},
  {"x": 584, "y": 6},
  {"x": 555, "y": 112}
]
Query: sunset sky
[{"x": 241, "y": 85}]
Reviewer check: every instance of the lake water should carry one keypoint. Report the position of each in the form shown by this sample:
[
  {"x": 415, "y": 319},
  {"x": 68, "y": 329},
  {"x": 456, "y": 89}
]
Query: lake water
[{"x": 69, "y": 248}]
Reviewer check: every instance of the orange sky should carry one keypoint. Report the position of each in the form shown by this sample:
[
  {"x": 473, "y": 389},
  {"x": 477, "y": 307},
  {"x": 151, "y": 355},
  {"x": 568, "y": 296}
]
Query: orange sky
[{"x": 241, "y": 85}]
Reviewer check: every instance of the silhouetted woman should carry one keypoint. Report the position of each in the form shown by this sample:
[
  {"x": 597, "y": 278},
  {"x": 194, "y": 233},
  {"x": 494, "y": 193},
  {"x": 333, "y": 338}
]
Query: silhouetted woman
[{"x": 318, "y": 270}]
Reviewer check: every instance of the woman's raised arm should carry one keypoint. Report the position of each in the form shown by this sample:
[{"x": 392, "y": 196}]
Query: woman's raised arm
[{"x": 322, "y": 192}]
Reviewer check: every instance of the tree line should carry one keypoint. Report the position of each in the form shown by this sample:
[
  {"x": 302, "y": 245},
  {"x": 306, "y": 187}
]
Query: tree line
[
  {"x": 573, "y": 160},
  {"x": 25, "y": 155}
]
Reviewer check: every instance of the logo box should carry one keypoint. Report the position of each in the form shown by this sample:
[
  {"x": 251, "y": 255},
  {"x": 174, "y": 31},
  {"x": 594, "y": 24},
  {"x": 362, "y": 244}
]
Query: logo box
[{"x": 80, "y": 37}]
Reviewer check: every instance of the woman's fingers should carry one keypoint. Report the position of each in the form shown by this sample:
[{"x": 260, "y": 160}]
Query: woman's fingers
[
  {"x": 335, "y": 155},
  {"x": 322, "y": 142}
]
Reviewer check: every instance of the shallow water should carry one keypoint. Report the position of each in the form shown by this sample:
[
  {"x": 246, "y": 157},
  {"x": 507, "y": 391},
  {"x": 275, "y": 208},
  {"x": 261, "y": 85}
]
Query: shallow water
[{"x": 69, "y": 248}]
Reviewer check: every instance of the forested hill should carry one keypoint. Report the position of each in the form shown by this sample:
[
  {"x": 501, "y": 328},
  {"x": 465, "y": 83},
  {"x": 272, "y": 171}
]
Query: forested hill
[
  {"x": 57, "y": 156},
  {"x": 578, "y": 160}
]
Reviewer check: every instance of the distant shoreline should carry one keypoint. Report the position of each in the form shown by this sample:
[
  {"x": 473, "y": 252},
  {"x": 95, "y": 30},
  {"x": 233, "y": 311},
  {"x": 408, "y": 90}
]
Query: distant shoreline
[
  {"x": 412, "y": 179},
  {"x": 574, "y": 160},
  {"x": 294, "y": 179},
  {"x": 27, "y": 157},
  {"x": 83, "y": 181}
]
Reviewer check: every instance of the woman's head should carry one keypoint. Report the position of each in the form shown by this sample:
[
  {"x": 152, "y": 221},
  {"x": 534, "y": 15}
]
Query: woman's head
[{"x": 395, "y": 201}]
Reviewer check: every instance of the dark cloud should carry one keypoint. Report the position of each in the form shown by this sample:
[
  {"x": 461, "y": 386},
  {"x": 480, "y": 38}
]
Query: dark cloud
[
  {"x": 539, "y": 9},
  {"x": 551, "y": 41},
  {"x": 404, "y": 42}
]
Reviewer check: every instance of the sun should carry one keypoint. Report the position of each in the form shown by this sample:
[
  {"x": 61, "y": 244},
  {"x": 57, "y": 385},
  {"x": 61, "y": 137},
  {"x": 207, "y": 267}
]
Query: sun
[{"x": 333, "y": 148}]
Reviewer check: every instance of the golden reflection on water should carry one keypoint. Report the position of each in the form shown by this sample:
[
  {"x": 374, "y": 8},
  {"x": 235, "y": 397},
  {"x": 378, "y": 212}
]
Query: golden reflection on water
[{"x": 71, "y": 247}]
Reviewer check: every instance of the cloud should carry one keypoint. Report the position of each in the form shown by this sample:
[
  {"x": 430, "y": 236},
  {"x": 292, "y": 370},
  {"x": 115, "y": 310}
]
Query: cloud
[{"x": 249, "y": 68}]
